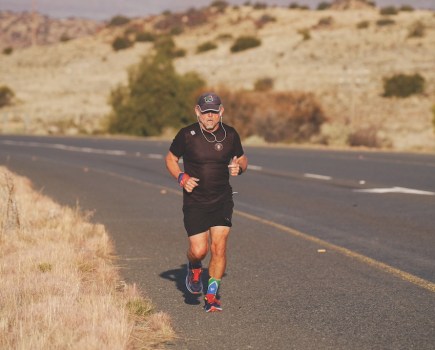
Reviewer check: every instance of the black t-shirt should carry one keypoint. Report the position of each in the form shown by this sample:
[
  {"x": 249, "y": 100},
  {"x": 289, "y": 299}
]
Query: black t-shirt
[{"x": 208, "y": 161}]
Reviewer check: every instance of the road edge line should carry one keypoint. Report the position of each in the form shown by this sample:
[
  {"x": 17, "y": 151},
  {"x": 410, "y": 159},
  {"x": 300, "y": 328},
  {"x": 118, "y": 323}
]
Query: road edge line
[{"x": 405, "y": 276}]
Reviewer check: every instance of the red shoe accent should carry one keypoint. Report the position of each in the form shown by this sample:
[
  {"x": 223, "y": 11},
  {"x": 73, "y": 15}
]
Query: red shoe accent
[{"x": 196, "y": 275}]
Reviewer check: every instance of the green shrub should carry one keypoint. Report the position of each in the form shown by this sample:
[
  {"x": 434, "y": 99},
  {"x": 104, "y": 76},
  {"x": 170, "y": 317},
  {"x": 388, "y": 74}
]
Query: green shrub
[
  {"x": 207, "y": 46},
  {"x": 121, "y": 43},
  {"x": 145, "y": 37},
  {"x": 296, "y": 6},
  {"x": 224, "y": 36},
  {"x": 363, "y": 24},
  {"x": 263, "y": 84},
  {"x": 244, "y": 43},
  {"x": 118, "y": 21},
  {"x": 402, "y": 85},
  {"x": 165, "y": 46},
  {"x": 65, "y": 37},
  {"x": 155, "y": 97},
  {"x": 417, "y": 30},
  {"x": 406, "y": 8},
  {"x": 385, "y": 22},
  {"x": 306, "y": 34},
  {"x": 176, "y": 30},
  {"x": 220, "y": 5},
  {"x": 388, "y": 11},
  {"x": 6, "y": 96},
  {"x": 8, "y": 50},
  {"x": 323, "y": 6}
]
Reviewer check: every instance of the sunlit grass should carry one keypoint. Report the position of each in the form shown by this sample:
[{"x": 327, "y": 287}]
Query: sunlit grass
[{"x": 60, "y": 285}]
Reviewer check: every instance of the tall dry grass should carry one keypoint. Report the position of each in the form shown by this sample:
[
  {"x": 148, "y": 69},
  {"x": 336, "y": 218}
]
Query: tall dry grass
[{"x": 60, "y": 287}]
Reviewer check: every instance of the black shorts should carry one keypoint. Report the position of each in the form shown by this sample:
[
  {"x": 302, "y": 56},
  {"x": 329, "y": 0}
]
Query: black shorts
[{"x": 200, "y": 219}]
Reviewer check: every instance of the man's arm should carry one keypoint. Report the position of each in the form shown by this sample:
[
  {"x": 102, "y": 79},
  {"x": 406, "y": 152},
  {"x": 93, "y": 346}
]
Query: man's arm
[
  {"x": 172, "y": 164},
  {"x": 185, "y": 181},
  {"x": 243, "y": 162}
]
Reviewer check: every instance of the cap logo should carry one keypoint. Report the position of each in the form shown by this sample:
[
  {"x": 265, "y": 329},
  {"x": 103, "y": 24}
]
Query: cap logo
[{"x": 208, "y": 99}]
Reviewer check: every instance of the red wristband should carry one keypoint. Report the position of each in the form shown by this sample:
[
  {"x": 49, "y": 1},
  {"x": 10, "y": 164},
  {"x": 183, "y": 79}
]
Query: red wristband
[{"x": 182, "y": 179}]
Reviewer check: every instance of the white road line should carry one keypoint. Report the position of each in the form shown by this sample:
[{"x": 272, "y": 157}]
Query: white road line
[
  {"x": 255, "y": 167},
  {"x": 155, "y": 156},
  {"x": 318, "y": 177},
  {"x": 396, "y": 190},
  {"x": 65, "y": 148}
]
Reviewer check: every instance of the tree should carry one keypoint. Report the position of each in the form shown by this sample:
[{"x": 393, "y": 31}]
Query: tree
[{"x": 155, "y": 97}]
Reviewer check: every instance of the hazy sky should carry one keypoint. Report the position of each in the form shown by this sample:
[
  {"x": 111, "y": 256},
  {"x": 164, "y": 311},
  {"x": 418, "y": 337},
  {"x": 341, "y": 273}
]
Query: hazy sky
[{"x": 105, "y": 9}]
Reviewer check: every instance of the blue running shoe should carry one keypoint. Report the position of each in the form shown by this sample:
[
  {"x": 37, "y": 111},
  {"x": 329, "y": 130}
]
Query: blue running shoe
[
  {"x": 193, "y": 280},
  {"x": 212, "y": 304}
]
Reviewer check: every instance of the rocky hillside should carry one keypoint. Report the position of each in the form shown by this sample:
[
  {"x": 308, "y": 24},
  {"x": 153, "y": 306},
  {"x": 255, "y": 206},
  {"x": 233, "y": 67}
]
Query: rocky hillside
[
  {"x": 20, "y": 30},
  {"x": 341, "y": 55}
]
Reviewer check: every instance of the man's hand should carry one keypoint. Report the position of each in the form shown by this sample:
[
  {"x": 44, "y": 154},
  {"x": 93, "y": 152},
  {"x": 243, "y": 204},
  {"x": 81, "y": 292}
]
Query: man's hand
[
  {"x": 187, "y": 182},
  {"x": 234, "y": 167},
  {"x": 191, "y": 184}
]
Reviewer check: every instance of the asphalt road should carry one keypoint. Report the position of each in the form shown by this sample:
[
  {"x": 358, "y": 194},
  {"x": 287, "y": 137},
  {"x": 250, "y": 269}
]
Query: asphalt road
[{"x": 329, "y": 249}]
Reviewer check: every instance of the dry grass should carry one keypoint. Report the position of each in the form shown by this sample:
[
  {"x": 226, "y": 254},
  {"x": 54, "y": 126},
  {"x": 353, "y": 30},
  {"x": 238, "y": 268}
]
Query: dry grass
[{"x": 60, "y": 287}]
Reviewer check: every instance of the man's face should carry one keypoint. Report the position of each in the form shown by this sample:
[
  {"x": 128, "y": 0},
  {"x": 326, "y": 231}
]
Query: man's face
[{"x": 209, "y": 120}]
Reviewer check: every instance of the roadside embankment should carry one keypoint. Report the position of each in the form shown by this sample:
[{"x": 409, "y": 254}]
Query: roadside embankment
[{"x": 60, "y": 283}]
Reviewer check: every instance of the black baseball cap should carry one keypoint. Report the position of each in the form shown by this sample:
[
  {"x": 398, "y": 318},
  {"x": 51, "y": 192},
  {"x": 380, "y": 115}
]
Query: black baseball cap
[{"x": 209, "y": 102}]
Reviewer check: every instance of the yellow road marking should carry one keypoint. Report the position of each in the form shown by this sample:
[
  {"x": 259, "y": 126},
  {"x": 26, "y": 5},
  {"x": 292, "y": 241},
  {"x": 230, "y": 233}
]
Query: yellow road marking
[
  {"x": 405, "y": 276},
  {"x": 347, "y": 252}
]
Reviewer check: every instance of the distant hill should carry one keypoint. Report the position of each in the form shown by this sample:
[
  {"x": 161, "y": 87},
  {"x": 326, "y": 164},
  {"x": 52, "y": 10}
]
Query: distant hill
[
  {"x": 19, "y": 30},
  {"x": 342, "y": 56}
]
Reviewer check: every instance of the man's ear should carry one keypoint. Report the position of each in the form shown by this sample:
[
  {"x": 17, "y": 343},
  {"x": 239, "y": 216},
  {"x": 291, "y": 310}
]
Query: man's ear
[
  {"x": 197, "y": 111},
  {"x": 221, "y": 111}
]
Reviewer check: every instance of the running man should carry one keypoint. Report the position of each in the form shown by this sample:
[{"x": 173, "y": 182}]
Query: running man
[{"x": 211, "y": 152}]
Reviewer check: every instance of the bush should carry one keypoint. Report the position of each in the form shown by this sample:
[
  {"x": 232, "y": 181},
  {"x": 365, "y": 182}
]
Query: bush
[
  {"x": 145, "y": 37},
  {"x": 264, "y": 20},
  {"x": 385, "y": 22},
  {"x": 417, "y": 30},
  {"x": 6, "y": 96},
  {"x": 323, "y": 6},
  {"x": 363, "y": 24},
  {"x": 220, "y": 5},
  {"x": 165, "y": 46},
  {"x": 263, "y": 84},
  {"x": 156, "y": 97},
  {"x": 296, "y": 6},
  {"x": 388, "y": 11},
  {"x": 406, "y": 8},
  {"x": 276, "y": 117},
  {"x": 8, "y": 50},
  {"x": 244, "y": 43},
  {"x": 402, "y": 85},
  {"x": 118, "y": 21},
  {"x": 367, "y": 137},
  {"x": 306, "y": 35},
  {"x": 224, "y": 36},
  {"x": 260, "y": 6},
  {"x": 121, "y": 43},
  {"x": 207, "y": 46},
  {"x": 325, "y": 22},
  {"x": 64, "y": 38}
]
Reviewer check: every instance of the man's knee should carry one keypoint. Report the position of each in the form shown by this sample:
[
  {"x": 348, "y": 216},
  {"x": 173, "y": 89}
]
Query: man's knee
[{"x": 198, "y": 251}]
